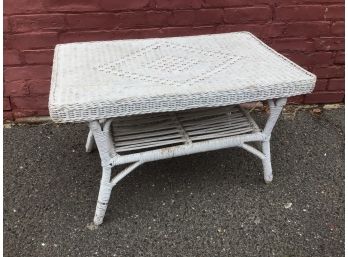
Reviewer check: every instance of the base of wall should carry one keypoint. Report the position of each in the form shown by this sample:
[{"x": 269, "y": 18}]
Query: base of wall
[
  {"x": 34, "y": 120},
  {"x": 258, "y": 106}
]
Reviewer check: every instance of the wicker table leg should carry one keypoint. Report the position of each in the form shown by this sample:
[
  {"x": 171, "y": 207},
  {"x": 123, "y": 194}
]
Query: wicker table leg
[
  {"x": 90, "y": 144},
  {"x": 102, "y": 136},
  {"x": 103, "y": 197},
  {"x": 276, "y": 108},
  {"x": 100, "y": 131},
  {"x": 266, "y": 162}
]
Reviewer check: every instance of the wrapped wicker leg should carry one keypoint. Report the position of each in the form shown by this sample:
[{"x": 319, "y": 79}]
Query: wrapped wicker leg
[
  {"x": 103, "y": 197},
  {"x": 276, "y": 108},
  {"x": 267, "y": 166},
  {"x": 90, "y": 144}
]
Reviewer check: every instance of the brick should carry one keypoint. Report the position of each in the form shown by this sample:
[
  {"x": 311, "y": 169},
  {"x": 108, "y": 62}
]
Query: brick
[
  {"x": 6, "y": 104},
  {"x": 7, "y": 25},
  {"x": 307, "y": 29},
  {"x": 37, "y": 22},
  {"x": 80, "y": 36},
  {"x": 337, "y": 28},
  {"x": 259, "y": 30},
  {"x": 124, "y": 5},
  {"x": 8, "y": 116},
  {"x": 309, "y": 12},
  {"x": 307, "y": 1},
  {"x": 27, "y": 72},
  {"x": 319, "y": 58},
  {"x": 177, "y": 31},
  {"x": 32, "y": 40},
  {"x": 262, "y": 31},
  {"x": 137, "y": 33},
  {"x": 310, "y": 59},
  {"x": 178, "y": 4},
  {"x": 92, "y": 21},
  {"x": 11, "y": 57},
  {"x": 329, "y": 43},
  {"x": 296, "y": 99},
  {"x": 339, "y": 58},
  {"x": 275, "y": 29},
  {"x": 233, "y": 3},
  {"x": 203, "y": 30},
  {"x": 39, "y": 87},
  {"x": 300, "y": 13},
  {"x": 38, "y": 56},
  {"x": 324, "y": 97},
  {"x": 293, "y": 44},
  {"x": 23, "y": 6},
  {"x": 336, "y": 85},
  {"x": 30, "y": 102},
  {"x": 187, "y": 31},
  {"x": 334, "y": 12},
  {"x": 247, "y": 14},
  {"x": 208, "y": 17},
  {"x": 16, "y": 88},
  {"x": 321, "y": 85},
  {"x": 329, "y": 72},
  {"x": 182, "y": 18},
  {"x": 143, "y": 19},
  {"x": 71, "y": 5},
  {"x": 196, "y": 18}
]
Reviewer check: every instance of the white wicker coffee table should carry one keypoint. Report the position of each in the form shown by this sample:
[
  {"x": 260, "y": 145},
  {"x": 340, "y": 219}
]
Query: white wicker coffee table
[{"x": 153, "y": 99}]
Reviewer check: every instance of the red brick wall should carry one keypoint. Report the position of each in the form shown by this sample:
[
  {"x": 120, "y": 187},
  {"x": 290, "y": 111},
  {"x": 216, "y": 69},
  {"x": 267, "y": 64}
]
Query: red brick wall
[{"x": 310, "y": 32}]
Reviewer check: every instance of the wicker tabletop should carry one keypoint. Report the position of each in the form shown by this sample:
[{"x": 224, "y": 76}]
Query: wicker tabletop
[{"x": 96, "y": 80}]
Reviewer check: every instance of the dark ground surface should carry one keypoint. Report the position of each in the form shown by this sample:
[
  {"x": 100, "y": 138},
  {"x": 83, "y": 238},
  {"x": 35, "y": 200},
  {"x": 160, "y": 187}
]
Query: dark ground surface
[{"x": 210, "y": 204}]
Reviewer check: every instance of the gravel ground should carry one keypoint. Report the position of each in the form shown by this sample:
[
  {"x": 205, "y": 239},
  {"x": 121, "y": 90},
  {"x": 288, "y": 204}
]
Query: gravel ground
[{"x": 209, "y": 204}]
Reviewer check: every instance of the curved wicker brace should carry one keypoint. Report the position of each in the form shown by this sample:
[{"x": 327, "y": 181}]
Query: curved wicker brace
[
  {"x": 105, "y": 189},
  {"x": 253, "y": 150},
  {"x": 124, "y": 173}
]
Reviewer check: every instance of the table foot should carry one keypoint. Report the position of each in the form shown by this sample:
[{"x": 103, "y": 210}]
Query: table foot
[
  {"x": 268, "y": 180},
  {"x": 92, "y": 226},
  {"x": 266, "y": 162},
  {"x": 103, "y": 197},
  {"x": 99, "y": 213}
]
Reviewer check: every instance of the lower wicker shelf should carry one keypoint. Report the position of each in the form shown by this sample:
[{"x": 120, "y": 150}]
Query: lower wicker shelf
[{"x": 155, "y": 131}]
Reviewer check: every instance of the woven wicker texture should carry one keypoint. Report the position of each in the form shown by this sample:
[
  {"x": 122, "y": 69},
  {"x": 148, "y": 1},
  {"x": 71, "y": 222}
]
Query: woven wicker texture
[
  {"x": 96, "y": 80},
  {"x": 151, "y": 131}
]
